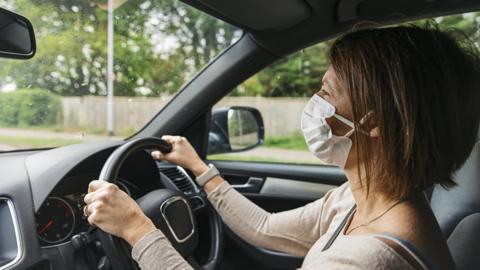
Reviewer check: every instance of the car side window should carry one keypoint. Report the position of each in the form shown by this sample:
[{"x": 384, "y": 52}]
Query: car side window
[{"x": 280, "y": 92}]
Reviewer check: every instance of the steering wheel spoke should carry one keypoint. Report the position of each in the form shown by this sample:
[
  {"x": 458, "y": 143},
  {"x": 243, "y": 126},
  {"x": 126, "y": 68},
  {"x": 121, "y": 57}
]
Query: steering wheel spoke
[{"x": 197, "y": 202}]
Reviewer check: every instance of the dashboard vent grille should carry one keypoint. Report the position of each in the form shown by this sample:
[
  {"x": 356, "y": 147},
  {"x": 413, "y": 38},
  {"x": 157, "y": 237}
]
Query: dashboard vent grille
[
  {"x": 179, "y": 178},
  {"x": 10, "y": 246}
]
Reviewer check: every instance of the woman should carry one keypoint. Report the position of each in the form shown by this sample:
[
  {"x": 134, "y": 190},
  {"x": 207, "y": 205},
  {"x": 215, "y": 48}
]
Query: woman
[{"x": 398, "y": 110}]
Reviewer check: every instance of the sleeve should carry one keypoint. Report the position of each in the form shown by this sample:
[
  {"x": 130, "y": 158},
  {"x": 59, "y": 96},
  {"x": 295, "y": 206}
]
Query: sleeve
[
  {"x": 293, "y": 231},
  {"x": 154, "y": 252}
]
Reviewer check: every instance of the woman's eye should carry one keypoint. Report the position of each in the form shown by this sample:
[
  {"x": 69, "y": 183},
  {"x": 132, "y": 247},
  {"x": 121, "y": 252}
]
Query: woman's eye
[{"x": 324, "y": 92}]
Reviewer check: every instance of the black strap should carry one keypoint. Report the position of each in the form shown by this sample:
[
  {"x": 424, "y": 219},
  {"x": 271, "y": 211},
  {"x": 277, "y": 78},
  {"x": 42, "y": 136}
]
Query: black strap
[{"x": 339, "y": 229}]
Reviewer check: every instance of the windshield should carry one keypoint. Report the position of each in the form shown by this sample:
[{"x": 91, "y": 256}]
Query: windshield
[{"x": 77, "y": 88}]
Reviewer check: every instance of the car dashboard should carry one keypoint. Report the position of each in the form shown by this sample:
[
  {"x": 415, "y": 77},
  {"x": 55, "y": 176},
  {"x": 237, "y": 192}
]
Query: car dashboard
[{"x": 43, "y": 199}]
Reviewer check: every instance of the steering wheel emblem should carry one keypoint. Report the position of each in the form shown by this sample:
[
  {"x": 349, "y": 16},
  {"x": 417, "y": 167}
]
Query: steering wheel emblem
[{"x": 179, "y": 218}]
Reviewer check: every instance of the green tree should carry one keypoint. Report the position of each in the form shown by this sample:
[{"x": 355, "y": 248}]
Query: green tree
[
  {"x": 159, "y": 45},
  {"x": 72, "y": 56},
  {"x": 297, "y": 75},
  {"x": 300, "y": 74}
]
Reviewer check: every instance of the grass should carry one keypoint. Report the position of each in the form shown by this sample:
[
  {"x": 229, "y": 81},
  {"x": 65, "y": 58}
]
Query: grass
[
  {"x": 28, "y": 142},
  {"x": 242, "y": 158},
  {"x": 87, "y": 130},
  {"x": 284, "y": 142},
  {"x": 57, "y": 128},
  {"x": 233, "y": 157},
  {"x": 293, "y": 142}
]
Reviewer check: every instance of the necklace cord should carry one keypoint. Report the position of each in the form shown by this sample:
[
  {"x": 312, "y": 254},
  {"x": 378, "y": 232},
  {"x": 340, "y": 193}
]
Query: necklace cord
[{"x": 375, "y": 218}]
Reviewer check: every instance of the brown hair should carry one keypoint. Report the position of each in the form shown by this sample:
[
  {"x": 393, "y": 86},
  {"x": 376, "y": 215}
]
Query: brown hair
[{"x": 423, "y": 90}]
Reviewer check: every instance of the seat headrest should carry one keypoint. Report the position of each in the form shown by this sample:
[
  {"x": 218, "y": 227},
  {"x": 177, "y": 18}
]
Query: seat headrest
[{"x": 451, "y": 206}]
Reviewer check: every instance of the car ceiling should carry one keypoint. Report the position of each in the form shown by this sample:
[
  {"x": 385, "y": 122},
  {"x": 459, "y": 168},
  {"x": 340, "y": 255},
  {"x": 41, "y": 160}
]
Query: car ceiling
[{"x": 285, "y": 26}]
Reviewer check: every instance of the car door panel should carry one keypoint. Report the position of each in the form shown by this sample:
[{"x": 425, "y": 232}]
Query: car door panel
[
  {"x": 274, "y": 187},
  {"x": 321, "y": 174},
  {"x": 282, "y": 187},
  {"x": 277, "y": 187}
]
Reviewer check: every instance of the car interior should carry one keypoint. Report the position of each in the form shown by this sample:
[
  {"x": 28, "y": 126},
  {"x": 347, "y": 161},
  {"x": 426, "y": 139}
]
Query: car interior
[{"x": 40, "y": 187}]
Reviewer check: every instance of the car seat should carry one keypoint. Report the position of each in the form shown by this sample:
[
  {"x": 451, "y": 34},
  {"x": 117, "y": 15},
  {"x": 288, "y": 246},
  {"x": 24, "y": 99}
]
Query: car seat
[{"x": 458, "y": 212}]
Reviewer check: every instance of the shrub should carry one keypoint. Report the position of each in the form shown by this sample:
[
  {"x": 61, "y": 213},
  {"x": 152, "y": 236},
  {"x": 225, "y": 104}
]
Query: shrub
[
  {"x": 29, "y": 107},
  {"x": 9, "y": 109}
]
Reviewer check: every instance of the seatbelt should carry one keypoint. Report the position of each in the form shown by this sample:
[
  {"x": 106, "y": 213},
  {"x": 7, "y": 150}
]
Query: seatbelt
[{"x": 339, "y": 229}]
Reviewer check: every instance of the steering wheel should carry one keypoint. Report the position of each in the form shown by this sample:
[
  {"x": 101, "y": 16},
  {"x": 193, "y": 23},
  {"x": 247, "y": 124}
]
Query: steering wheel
[{"x": 169, "y": 210}]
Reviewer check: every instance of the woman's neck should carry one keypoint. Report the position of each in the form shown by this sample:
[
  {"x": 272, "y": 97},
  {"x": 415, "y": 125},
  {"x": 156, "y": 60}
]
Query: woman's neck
[{"x": 367, "y": 206}]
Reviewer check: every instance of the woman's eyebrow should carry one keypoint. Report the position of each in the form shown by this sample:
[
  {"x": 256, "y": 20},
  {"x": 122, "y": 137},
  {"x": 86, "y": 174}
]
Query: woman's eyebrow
[{"x": 329, "y": 85}]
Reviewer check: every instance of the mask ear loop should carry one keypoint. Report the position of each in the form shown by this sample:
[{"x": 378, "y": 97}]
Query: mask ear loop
[
  {"x": 346, "y": 122},
  {"x": 351, "y": 124},
  {"x": 363, "y": 121},
  {"x": 365, "y": 117}
]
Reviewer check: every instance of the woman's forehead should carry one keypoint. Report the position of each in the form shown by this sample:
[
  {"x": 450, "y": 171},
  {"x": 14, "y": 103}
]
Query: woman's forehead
[{"x": 330, "y": 78}]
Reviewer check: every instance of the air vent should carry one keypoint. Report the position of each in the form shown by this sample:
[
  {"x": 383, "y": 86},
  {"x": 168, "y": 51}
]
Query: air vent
[
  {"x": 180, "y": 178},
  {"x": 10, "y": 243}
]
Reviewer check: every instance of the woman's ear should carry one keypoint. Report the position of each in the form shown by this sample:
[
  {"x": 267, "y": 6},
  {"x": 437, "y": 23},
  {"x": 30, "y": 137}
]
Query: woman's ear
[{"x": 375, "y": 132}]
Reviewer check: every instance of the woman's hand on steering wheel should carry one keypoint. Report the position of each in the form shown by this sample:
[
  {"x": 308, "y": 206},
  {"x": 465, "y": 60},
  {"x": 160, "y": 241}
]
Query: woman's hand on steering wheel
[
  {"x": 113, "y": 211},
  {"x": 121, "y": 219},
  {"x": 182, "y": 154}
]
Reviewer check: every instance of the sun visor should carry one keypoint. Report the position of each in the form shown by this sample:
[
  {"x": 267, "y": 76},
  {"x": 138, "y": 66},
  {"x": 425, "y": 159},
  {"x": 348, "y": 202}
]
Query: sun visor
[{"x": 257, "y": 15}]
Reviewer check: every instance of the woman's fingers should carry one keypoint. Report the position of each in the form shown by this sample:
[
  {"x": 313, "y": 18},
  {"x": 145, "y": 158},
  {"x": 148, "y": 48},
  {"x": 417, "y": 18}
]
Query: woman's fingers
[
  {"x": 98, "y": 188},
  {"x": 89, "y": 197},
  {"x": 183, "y": 154},
  {"x": 93, "y": 219},
  {"x": 113, "y": 211},
  {"x": 171, "y": 139},
  {"x": 158, "y": 155},
  {"x": 85, "y": 211},
  {"x": 167, "y": 138},
  {"x": 174, "y": 139},
  {"x": 96, "y": 184},
  {"x": 174, "y": 142},
  {"x": 92, "y": 212}
]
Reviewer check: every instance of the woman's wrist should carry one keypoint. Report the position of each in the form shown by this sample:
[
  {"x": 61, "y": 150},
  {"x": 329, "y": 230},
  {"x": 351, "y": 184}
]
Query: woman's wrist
[
  {"x": 198, "y": 168},
  {"x": 213, "y": 184},
  {"x": 133, "y": 234}
]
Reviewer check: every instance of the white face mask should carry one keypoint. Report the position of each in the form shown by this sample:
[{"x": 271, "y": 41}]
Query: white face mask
[{"x": 326, "y": 146}]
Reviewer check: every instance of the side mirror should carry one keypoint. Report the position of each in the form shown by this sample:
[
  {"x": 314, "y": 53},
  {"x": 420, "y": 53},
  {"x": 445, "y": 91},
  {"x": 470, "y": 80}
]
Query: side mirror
[
  {"x": 17, "y": 39},
  {"x": 235, "y": 129}
]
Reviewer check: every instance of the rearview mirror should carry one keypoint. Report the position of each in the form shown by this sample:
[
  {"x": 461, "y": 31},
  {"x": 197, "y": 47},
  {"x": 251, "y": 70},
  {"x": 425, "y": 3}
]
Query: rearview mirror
[
  {"x": 235, "y": 129},
  {"x": 17, "y": 39}
]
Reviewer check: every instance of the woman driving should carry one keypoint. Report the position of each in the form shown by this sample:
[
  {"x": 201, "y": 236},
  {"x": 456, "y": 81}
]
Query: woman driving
[{"x": 398, "y": 110}]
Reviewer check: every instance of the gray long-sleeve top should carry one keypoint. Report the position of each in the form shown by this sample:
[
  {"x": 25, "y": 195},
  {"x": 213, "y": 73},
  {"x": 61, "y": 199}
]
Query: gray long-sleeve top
[{"x": 303, "y": 231}]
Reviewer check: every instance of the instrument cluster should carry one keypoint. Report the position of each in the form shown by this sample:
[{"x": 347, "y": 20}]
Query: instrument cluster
[{"x": 61, "y": 217}]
